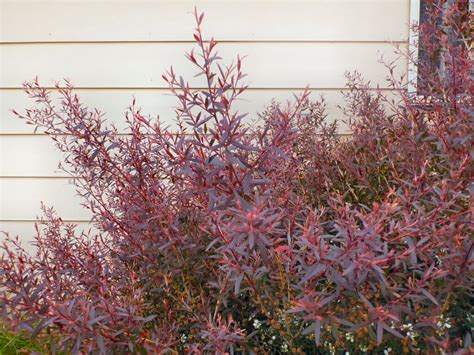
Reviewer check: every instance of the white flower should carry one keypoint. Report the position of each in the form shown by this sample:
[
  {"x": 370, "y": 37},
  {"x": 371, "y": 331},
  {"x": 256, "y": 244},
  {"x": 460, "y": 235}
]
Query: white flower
[
  {"x": 443, "y": 323},
  {"x": 332, "y": 348},
  {"x": 364, "y": 348},
  {"x": 257, "y": 324},
  {"x": 409, "y": 330},
  {"x": 350, "y": 337}
]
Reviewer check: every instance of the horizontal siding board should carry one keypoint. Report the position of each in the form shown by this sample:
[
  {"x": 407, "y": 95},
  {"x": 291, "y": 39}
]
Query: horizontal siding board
[
  {"x": 29, "y": 156},
  {"x": 268, "y": 65},
  {"x": 153, "y": 102},
  {"x": 152, "y": 20},
  {"x": 21, "y": 199}
]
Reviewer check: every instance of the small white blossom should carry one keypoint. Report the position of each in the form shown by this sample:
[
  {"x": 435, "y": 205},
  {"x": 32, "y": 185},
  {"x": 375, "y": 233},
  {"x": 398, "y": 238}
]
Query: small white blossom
[
  {"x": 364, "y": 348},
  {"x": 409, "y": 330},
  {"x": 257, "y": 324},
  {"x": 443, "y": 323},
  {"x": 350, "y": 337},
  {"x": 332, "y": 348}
]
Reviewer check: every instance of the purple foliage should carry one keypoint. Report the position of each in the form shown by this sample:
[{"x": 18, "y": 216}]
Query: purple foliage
[{"x": 286, "y": 223}]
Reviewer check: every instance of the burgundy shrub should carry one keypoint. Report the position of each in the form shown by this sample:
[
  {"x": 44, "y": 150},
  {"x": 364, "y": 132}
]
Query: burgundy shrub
[{"x": 283, "y": 236}]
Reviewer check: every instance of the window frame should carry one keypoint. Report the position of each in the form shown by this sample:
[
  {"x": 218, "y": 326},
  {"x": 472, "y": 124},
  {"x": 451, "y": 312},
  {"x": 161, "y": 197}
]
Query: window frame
[
  {"x": 413, "y": 49},
  {"x": 412, "y": 75}
]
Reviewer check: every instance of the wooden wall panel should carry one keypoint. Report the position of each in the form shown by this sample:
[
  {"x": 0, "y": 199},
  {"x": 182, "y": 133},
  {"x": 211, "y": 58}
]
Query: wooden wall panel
[
  {"x": 22, "y": 197},
  {"x": 156, "y": 20},
  {"x": 131, "y": 65}
]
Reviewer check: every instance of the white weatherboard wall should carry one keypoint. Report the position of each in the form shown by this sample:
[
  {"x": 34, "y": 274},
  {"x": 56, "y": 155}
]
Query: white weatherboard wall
[{"x": 114, "y": 49}]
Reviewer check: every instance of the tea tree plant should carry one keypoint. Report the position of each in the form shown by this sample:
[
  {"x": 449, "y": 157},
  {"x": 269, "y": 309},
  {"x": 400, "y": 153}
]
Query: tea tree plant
[{"x": 276, "y": 237}]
